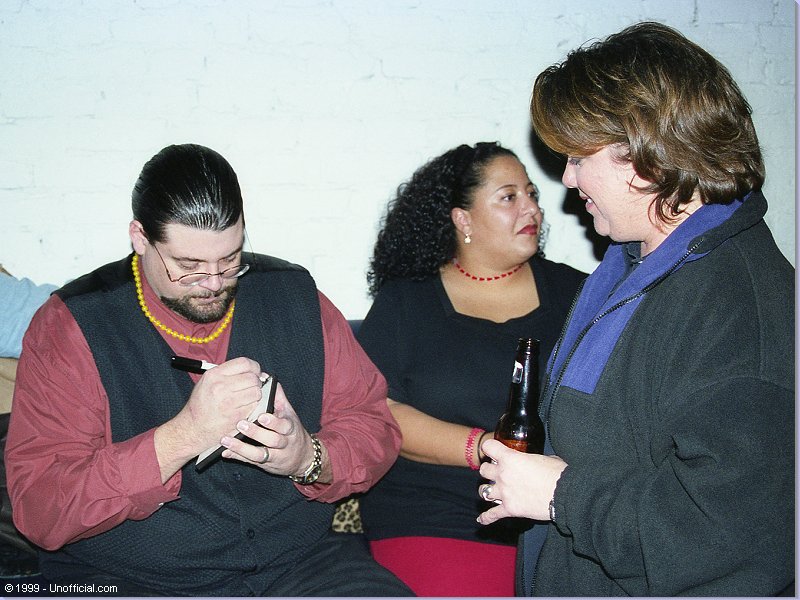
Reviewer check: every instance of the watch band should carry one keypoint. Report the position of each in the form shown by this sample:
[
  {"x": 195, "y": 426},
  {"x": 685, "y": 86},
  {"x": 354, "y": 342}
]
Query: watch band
[
  {"x": 314, "y": 469},
  {"x": 552, "y": 509}
]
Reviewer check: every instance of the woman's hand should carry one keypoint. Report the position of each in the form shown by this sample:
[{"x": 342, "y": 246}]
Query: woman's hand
[{"x": 521, "y": 485}]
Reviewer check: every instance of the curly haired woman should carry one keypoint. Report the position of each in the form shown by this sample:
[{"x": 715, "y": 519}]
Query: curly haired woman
[{"x": 457, "y": 277}]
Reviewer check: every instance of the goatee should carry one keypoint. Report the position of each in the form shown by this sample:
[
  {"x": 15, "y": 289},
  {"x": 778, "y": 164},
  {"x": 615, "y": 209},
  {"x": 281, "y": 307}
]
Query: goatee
[{"x": 206, "y": 313}]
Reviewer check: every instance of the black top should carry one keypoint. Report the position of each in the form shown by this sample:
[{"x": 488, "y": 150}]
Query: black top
[{"x": 455, "y": 368}]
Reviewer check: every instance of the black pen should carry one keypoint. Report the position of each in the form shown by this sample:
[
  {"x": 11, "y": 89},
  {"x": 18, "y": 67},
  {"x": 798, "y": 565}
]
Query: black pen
[{"x": 191, "y": 365}]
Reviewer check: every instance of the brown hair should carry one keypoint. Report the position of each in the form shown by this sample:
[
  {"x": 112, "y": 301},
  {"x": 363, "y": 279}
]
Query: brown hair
[{"x": 682, "y": 121}]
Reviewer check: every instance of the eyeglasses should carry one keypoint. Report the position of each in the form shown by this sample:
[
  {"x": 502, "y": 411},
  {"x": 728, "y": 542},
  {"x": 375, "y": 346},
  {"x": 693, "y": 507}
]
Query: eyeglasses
[{"x": 197, "y": 278}]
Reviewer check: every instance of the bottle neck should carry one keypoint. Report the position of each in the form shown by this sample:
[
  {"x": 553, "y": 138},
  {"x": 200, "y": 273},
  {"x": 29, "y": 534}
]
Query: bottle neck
[{"x": 523, "y": 395}]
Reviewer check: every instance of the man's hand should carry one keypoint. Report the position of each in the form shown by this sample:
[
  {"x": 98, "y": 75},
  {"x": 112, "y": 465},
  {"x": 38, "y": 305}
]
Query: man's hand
[
  {"x": 224, "y": 395},
  {"x": 284, "y": 446}
]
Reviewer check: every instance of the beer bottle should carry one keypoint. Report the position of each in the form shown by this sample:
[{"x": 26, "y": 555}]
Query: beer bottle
[{"x": 520, "y": 427}]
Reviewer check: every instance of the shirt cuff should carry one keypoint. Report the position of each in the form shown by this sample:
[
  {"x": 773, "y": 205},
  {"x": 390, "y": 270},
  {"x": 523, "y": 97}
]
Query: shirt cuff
[{"x": 139, "y": 470}]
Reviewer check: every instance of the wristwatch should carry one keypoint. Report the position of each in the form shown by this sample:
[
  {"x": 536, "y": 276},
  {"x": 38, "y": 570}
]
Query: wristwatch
[
  {"x": 552, "y": 509},
  {"x": 314, "y": 469}
]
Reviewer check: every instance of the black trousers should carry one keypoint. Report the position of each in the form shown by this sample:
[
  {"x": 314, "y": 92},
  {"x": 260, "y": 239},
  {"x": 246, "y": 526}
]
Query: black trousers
[{"x": 340, "y": 565}]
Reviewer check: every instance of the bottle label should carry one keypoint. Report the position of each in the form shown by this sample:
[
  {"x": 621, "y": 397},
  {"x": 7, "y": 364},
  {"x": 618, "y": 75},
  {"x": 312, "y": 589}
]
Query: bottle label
[{"x": 517, "y": 376}]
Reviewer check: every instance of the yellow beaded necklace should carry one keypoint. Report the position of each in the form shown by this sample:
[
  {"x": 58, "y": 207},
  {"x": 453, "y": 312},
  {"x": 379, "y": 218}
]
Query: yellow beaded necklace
[{"x": 186, "y": 338}]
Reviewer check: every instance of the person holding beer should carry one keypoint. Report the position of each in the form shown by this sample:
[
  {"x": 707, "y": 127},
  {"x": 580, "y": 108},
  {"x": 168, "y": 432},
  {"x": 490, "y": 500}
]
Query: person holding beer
[{"x": 669, "y": 401}]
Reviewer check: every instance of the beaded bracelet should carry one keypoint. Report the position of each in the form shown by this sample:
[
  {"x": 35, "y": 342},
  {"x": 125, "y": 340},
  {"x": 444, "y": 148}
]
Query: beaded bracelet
[{"x": 470, "y": 447}]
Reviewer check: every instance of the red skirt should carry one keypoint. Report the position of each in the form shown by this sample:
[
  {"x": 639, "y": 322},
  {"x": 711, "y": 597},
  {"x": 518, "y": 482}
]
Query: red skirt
[{"x": 433, "y": 566}]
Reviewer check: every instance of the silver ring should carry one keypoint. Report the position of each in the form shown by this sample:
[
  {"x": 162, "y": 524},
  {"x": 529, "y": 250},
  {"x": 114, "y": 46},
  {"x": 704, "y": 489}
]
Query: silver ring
[
  {"x": 485, "y": 491},
  {"x": 266, "y": 456}
]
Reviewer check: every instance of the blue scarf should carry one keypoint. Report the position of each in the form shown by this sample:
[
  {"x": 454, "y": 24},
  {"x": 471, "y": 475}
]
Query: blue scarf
[{"x": 602, "y": 312}]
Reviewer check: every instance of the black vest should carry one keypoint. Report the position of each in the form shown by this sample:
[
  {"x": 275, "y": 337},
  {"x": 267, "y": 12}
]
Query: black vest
[{"x": 234, "y": 529}]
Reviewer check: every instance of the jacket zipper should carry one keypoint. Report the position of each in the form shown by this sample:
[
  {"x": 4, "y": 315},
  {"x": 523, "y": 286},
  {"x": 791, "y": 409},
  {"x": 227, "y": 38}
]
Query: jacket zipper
[{"x": 552, "y": 394}]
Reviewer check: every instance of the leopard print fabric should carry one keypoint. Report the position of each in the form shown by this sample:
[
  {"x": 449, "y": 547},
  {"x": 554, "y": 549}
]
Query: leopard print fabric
[{"x": 347, "y": 518}]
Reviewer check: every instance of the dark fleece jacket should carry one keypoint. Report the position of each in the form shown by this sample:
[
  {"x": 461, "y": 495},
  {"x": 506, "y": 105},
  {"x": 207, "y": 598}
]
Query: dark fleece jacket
[{"x": 675, "y": 413}]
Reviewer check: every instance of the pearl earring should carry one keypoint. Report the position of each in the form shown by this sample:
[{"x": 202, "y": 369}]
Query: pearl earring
[{"x": 467, "y": 239}]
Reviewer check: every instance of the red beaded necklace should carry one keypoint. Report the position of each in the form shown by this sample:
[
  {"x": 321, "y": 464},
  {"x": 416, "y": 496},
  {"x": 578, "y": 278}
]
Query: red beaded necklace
[{"x": 496, "y": 277}]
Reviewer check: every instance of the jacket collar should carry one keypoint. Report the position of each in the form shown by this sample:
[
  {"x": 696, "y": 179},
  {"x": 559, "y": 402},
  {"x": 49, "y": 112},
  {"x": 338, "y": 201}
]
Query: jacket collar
[{"x": 747, "y": 212}]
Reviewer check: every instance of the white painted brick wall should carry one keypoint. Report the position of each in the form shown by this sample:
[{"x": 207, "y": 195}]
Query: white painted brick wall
[{"x": 322, "y": 106}]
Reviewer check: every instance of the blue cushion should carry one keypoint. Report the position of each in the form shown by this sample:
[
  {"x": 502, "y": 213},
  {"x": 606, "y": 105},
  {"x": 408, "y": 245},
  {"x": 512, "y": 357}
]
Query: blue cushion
[{"x": 355, "y": 325}]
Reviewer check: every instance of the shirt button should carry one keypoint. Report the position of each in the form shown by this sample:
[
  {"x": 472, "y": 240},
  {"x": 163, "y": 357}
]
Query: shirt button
[
  {"x": 237, "y": 476},
  {"x": 251, "y": 534}
]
